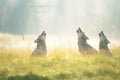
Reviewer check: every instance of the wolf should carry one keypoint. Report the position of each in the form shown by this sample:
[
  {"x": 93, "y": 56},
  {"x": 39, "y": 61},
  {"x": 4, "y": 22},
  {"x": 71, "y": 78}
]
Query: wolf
[
  {"x": 103, "y": 44},
  {"x": 83, "y": 46},
  {"x": 41, "y": 49}
]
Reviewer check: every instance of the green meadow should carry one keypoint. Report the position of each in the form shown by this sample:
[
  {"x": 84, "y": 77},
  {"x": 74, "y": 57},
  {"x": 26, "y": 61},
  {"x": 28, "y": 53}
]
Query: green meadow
[{"x": 59, "y": 64}]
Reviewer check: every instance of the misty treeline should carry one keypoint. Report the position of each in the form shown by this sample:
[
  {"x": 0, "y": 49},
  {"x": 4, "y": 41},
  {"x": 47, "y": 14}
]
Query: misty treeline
[
  {"x": 15, "y": 15},
  {"x": 27, "y": 16}
]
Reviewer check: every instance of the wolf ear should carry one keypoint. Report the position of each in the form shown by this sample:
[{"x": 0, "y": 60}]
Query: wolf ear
[
  {"x": 102, "y": 32},
  {"x": 79, "y": 29},
  {"x": 43, "y": 32}
]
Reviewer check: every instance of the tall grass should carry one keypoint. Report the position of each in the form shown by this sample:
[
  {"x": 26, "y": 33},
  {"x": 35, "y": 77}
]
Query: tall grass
[{"x": 59, "y": 64}]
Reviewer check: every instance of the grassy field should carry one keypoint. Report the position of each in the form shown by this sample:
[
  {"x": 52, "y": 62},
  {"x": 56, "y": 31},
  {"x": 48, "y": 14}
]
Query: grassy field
[
  {"x": 60, "y": 64},
  {"x": 16, "y": 62}
]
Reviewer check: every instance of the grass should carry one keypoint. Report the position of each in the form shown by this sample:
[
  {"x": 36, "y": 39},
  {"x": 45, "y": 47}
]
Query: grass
[{"x": 60, "y": 64}]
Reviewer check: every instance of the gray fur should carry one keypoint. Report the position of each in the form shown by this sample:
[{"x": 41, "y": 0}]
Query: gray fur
[
  {"x": 103, "y": 44},
  {"x": 83, "y": 46},
  {"x": 41, "y": 49}
]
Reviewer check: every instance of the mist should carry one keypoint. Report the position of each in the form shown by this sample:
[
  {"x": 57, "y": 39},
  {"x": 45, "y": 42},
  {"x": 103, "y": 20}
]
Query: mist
[{"x": 60, "y": 18}]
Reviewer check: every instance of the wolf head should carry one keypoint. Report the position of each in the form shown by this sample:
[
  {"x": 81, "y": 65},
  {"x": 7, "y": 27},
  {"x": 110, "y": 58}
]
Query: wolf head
[
  {"x": 41, "y": 37},
  {"x": 103, "y": 37},
  {"x": 81, "y": 34}
]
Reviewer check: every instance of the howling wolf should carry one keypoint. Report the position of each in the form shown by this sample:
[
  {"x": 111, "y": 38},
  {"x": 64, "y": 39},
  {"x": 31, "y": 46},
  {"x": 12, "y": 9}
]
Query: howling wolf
[
  {"x": 41, "y": 49},
  {"x": 103, "y": 44},
  {"x": 83, "y": 46}
]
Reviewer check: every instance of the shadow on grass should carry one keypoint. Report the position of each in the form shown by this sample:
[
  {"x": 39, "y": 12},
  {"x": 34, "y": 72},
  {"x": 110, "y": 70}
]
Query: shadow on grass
[
  {"x": 28, "y": 77},
  {"x": 62, "y": 76},
  {"x": 102, "y": 73},
  {"x": 65, "y": 76}
]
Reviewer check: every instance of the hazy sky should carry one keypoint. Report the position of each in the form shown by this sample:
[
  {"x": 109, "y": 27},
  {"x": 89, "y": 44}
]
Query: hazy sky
[{"x": 60, "y": 17}]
